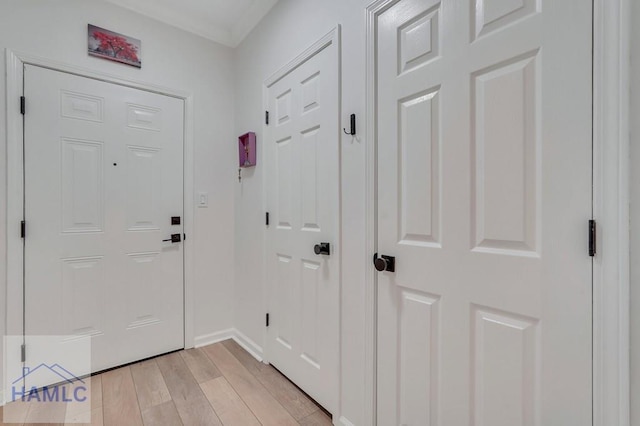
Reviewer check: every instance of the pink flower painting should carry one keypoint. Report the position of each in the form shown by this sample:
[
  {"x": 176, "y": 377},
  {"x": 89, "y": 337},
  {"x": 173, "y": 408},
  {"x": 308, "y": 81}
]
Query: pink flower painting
[{"x": 113, "y": 46}]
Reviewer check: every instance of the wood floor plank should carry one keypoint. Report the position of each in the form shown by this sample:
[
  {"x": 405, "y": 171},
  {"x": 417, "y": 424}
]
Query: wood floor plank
[
  {"x": 227, "y": 404},
  {"x": 79, "y": 411},
  {"x": 319, "y": 418},
  {"x": 292, "y": 399},
  {"x": 193, "y": 407},
  {"x": 200, "y": 365},
  {"x": 263, "y": 405},
  {"x": 16, "y": 412},
  {"x": 94, "y": 419},
  {"x": 164, "y": 414},
  {"x": 250, "y": 363},
  {"x": 119, "y": 398},
  {"x": 150, "y": 386},
  {"x": 43, "y": 416},
  {"x": 96, "y": 391},
  {"x": 47, "y": 411}
]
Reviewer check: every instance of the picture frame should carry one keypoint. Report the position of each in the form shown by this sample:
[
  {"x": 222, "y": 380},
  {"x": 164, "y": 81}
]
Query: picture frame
[{"x": 106, "y": 44}]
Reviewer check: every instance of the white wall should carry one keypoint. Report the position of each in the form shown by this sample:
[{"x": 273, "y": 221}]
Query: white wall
[
  {"x": 290, "y": 27},
  {"x": 170, "y": 58},
  {"x": 635, "y": 214}
]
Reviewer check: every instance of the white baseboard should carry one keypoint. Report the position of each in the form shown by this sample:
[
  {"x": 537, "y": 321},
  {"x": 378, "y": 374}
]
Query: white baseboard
[
  {"x": 231, "y": 333},
  {"x": 342, "y": 421},
  {"x": 209, "y": 339},
  {"x": 248, "y": 345}
]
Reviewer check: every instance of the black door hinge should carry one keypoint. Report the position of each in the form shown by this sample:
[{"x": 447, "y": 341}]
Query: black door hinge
[
  {"x": 23, "y": 229},
  {"x": 23, "y": 353},
  {"x": 266, "y": 219},
  {"x": 267, "y": 320},
  {"x": 592, "y": 238},
  {"x": 266, "y": 118},
  {"x": 23, "y": 105}
]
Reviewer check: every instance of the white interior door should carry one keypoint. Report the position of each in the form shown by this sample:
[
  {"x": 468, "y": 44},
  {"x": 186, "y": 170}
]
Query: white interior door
[
  {"x": 103, "y": 177},
  {"x": 484, "y": 196},
  {"x": 302, "y": 157}
]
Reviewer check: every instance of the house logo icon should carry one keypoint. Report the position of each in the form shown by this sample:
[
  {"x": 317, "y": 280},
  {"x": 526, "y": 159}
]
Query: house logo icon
[{"x": 59, "y": 391}]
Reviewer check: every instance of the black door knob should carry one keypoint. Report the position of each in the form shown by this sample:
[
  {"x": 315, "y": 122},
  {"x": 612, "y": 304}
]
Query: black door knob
[
  {"x": 322, "y": 248},
  {"x": 380, "y": 264},
  {"x": 384, "y": 263}
]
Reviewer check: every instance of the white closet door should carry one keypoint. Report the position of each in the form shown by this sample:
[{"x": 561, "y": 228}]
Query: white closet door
[
  {"x": 302, "y": 155},
  {"x": 484, "y": 196},
  {"x": 103, "y": 177}
]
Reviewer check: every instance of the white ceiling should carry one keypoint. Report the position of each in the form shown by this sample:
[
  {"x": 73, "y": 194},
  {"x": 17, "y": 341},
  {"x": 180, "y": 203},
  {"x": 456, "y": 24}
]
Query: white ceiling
[{"x": 225, "y": 21}]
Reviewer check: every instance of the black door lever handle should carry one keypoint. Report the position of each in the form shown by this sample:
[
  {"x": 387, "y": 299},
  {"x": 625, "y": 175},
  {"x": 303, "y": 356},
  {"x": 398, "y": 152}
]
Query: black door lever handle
[{"x": 175, "y": 238}]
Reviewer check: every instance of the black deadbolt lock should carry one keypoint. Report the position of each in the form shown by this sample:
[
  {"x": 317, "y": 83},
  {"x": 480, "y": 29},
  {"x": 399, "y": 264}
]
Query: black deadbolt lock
[
  {"x": 322, "y": 248},
  {"x": 175, "y": 220}
]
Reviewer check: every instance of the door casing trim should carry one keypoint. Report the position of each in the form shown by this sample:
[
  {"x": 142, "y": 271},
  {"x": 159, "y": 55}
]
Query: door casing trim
[
  {"x": 611, "y": 67},
  {"x": 611, "y": 195},
  {"x": 15, "y": 62}
]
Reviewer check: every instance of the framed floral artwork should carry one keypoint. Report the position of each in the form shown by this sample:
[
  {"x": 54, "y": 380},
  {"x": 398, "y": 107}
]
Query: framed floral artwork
[{"x": 113, "y": 46}]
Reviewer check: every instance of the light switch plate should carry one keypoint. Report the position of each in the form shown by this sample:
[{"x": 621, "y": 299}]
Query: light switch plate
[{"x": 203, "y": 199}]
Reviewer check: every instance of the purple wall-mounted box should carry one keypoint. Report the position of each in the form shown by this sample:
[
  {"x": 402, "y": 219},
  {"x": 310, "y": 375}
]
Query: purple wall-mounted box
[{"x": 247, "y": 150}]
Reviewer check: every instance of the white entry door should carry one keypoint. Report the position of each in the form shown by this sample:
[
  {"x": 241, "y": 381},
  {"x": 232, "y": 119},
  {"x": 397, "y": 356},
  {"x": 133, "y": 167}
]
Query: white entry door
[
  {"x": 484, "y": 196},
  {"x": 103, "y": 177},
  {"x": 302, "y": 157}
]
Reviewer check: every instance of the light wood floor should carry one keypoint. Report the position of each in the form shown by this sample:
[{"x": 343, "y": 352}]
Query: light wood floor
[{"x": 220, "y": 384}]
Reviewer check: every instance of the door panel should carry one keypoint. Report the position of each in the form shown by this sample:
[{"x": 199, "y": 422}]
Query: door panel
[
  {"x": 103, "y": 176},
  {"x": 303, "y": 200},
  {"x": 483, "y": 196},
  {"x": 82, "y": 286},
  {"x": 82, "y": 186},
  {"x": 419, "y": 156},
  {"x": 144, "y": 188},
  {"x": 505, "y": 156}
]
